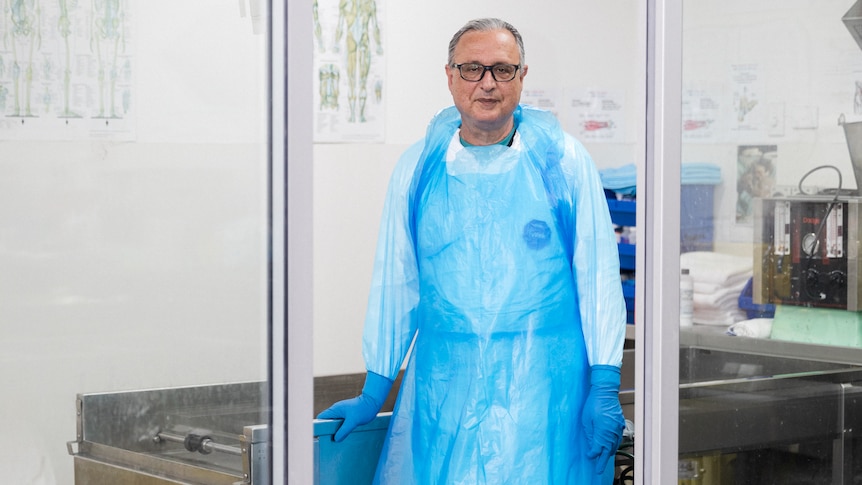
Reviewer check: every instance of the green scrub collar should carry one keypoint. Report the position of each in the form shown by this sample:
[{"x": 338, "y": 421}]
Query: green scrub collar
[{"x": 507, "y": 141}]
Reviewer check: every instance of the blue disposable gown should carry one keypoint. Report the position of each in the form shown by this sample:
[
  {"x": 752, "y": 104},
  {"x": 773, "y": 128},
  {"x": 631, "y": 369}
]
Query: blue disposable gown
[{"x": 502, "y": 263}]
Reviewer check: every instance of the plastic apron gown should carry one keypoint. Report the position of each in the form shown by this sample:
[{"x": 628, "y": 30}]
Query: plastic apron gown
[{"x": 498, "y": 374}]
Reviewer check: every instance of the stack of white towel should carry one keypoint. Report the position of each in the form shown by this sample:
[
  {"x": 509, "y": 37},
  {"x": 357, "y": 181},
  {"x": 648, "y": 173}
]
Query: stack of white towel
[{"x": 718, "y": 280}]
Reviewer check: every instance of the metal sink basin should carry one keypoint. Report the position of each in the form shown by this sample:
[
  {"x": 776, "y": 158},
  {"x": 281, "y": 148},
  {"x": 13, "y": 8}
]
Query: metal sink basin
[
  {"x": 730, "y": 401},
  {"x": 703, "y": 366}
]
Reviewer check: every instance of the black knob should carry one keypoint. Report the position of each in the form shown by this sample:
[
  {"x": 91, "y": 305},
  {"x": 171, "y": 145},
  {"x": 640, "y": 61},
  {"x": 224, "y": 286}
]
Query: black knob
[
  {"x": 195, "y": 442},
  {"x": 837, "y": 279}
]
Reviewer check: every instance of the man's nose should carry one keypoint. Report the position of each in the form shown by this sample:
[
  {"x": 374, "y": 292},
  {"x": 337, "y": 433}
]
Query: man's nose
[{"x": 487, "y": 79}]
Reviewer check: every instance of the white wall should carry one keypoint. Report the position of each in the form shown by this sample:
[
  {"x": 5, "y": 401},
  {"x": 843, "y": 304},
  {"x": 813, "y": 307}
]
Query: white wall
[
  {"x": 137, "y": 264},
  {"x": 569, "y": 45},
  {"x": 802, "y": 56}
]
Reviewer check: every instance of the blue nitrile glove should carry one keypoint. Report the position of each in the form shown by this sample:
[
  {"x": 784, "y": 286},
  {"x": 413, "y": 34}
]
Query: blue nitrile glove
[
  {"x": 603, "y": 415},
  {"x": 361, "y": 409}
]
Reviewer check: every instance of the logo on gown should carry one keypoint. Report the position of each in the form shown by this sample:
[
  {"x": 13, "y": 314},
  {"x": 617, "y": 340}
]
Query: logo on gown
[{"x": 537, "y": 234}]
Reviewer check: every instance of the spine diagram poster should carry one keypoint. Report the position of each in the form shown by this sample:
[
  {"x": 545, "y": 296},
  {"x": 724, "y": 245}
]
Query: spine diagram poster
[{"x": 66, "y": 69}]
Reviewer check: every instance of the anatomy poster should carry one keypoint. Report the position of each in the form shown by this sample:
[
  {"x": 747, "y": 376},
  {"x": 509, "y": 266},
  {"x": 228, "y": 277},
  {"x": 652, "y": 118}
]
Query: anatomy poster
[
  {"x": 700, "y": 113},
  {"x": 349, "y": 69},
  {"x": 66, "y": 70},
  {"x": 595, "y": 115},
  {"x": 747, "y": 106}
]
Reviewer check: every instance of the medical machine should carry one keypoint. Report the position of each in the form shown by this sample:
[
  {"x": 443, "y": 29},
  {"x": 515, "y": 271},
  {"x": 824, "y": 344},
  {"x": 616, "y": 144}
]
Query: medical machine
[
  {"x": 807, "y": 251},
  {"x": 806, "y": 247}
]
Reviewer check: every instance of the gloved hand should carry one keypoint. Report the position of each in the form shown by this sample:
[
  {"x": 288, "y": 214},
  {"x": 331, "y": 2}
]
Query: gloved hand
[
  {"x": 361, "y": 409},
  {"x": 602, "y": 418}
]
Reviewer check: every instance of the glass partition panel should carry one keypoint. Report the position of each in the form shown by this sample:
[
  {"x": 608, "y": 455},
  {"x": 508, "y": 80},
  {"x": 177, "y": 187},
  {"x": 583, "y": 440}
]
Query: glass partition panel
[
  {"x": 133, "y": 207},
  {"x": 771, "y": 329},
  {"x": 586, "y": 66}
]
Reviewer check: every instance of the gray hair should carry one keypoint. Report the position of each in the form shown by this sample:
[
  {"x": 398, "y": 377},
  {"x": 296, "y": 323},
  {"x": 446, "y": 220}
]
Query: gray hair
[{"x": 484, "y": 25}]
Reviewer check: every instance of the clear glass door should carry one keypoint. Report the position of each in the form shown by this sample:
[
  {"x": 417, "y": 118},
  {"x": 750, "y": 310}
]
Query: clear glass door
[
  {"x": 770, "y": 330},
  {"x": 134, "y": 245}
]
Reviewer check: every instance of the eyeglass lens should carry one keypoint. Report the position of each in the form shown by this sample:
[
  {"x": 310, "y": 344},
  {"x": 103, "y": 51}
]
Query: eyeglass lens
[{"x": 475, "y": 72}]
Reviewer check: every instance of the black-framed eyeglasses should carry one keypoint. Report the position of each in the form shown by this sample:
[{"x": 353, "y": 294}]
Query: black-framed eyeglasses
[{"x": 473, "y": 72}]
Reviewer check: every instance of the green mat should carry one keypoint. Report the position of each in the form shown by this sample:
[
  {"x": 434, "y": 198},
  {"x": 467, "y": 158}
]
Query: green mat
[{"x": 825, "y": 326}]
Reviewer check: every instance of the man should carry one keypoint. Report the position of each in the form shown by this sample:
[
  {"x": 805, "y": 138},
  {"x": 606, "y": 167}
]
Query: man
[{"x": 496, "y": 252}]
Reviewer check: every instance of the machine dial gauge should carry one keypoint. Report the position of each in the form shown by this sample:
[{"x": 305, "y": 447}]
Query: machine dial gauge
[{"x": 810, "y": 244}]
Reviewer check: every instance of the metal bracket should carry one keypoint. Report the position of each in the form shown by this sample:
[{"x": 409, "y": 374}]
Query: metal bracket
[
  {"x": 72, "y": 448},
  {"x": 79, "y": 428}
]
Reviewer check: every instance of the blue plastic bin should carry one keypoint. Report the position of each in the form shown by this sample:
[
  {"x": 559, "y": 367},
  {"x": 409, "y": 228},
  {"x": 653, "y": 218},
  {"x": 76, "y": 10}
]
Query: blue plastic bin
[
  {"x": 629, "y": 295},
  {"x": 753, "y": 310},
  {"x": 623, "y": 212},
  {"x": 696, "y": 221},
  {"x": 354, "y": 460},
  {"x": 627, "y": 255}
]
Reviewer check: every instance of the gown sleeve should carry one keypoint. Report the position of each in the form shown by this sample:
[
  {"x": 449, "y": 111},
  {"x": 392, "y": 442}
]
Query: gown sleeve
[
  {"x": 595, "y": 261},
  {"x": 390, "y": 319}
]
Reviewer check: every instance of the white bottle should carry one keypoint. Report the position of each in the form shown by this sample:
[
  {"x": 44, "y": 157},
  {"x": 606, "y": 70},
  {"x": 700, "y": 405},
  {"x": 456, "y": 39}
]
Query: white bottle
[{"x": 686, "y": 298}]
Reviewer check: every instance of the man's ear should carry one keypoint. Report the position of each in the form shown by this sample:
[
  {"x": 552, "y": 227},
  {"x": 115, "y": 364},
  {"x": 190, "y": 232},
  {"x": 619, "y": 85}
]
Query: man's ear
[{"x": 450, "y": 71}]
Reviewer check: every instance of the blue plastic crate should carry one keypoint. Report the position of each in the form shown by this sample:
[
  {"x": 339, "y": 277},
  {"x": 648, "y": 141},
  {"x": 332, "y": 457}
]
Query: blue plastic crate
[
  {"x": 623, "y": 212},
  {"x": 753, "y": 310},
  {"x": 627, "y": 256},
  {"x": 353, "y": 460},
  {"x": 629, "y": 296},
  {"x": 696, "y": 218}
]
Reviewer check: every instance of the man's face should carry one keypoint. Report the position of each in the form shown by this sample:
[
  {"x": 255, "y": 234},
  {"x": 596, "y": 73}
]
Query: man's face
[{"x": 487, "y": 105}]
